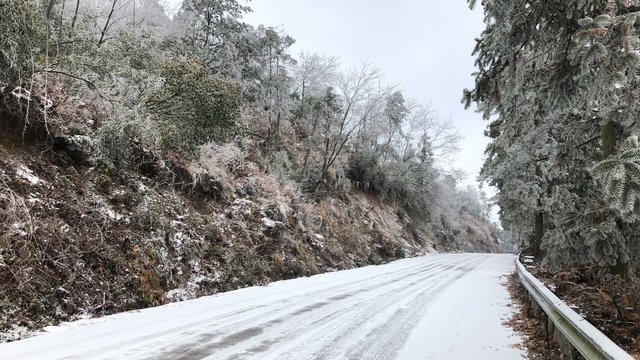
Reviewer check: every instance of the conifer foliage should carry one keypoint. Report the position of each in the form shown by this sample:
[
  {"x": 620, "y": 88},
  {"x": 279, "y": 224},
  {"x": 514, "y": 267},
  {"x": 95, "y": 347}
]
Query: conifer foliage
[
  {"x": 621, "y": 178},
  {"x": 559, "y": 81}
]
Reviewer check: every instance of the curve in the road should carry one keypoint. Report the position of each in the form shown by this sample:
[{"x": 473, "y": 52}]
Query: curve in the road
[{"x": 365, "y": 313}]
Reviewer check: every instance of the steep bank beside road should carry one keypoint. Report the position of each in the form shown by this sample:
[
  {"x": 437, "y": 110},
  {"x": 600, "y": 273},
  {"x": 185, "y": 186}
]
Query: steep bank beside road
[
  {"x": 156, "y": 160},
  {"x": 81, "y": 241}
]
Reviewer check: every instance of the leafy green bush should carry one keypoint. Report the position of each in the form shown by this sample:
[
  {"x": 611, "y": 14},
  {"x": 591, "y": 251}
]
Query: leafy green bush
[
  {"x": 127, "y": 142},
  {"x": 22, "y": 39},
  {"x": 193, "y": 107}
]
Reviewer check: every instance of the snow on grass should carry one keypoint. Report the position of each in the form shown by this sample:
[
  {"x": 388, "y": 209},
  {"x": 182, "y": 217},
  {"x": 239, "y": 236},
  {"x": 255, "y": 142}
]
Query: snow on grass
[
  {"x": 15, "y": 333},
  {"x": 270, "y": 223},
  {"x": 190, "y": 290},
  {"x": 26, "y": 173}
]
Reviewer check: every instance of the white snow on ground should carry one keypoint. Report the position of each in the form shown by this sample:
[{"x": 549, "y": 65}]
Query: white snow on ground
[
  {"x": 444, "y": 306},
  {"x": 26, "y": 173},
  {"x": 470, "y": 312}
]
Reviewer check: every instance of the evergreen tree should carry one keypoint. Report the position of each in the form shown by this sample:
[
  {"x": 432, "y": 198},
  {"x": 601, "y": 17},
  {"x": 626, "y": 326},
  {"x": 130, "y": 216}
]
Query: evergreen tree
[{"x": 559, "y": 80}]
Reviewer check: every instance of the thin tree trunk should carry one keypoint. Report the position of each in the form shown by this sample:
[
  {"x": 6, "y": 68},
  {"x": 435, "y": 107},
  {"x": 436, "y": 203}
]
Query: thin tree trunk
[
  {"x": 308, "y": 142},
  {"x": 206, "y": 33},
  {"x": 60, "y": 21},
  {"x": 609, "y": 139},
  {"x": 106, "y": 24},
  {"x": 75, "y": 15},
  {"x": 324, "y": 168},
  {"x": 276, "y": 132},
  {"x": 50, "y": 8}
]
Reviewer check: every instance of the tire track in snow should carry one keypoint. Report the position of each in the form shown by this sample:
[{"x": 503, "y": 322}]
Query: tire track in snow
[
  {"x": 369, "y": 326},
  {"x": 184, "y": 328},
  {"x": 289, "y": 311},
  {"x": 387, "y": 339},
  {"x": 365, "y": 313},
  {"x": 292, "y": 324}
]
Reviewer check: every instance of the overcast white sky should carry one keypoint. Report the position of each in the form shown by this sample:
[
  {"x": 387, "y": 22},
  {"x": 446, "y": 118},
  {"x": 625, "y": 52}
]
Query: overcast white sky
[{"x": 423, "y": 45}]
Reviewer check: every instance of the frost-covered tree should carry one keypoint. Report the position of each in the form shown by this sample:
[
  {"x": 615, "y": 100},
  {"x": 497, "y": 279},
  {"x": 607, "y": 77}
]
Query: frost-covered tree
[
  {"x": 22, "y": 40},
  {"x": 274, "y": 81},
  {"x": 314, "y": 74},
  {"x": 559, "y": 82},
  {"x": 212, "y": 30}
]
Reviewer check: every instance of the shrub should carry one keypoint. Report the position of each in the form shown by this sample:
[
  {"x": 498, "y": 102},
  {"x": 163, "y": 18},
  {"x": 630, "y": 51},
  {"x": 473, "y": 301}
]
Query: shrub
[
  {"x": 193, "y": 107},
  {"x": 22, "y": 39},
  {"x": 127, "y": 142},
  {"x": 219, "y": 160},
  {"x": 150, "y": 289}
]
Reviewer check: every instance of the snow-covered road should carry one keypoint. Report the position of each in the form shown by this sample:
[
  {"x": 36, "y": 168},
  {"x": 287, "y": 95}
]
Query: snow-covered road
[{"x": 434, "y": 307}]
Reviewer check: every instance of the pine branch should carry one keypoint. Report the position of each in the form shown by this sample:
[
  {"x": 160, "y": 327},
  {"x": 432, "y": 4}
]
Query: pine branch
[{"x": 621, "y": 177}]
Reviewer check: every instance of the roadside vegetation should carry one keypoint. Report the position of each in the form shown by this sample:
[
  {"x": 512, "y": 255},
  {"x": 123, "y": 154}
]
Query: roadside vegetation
[
  {"x": 147, "y": 159},
  {"x": 559, "y": 82}
]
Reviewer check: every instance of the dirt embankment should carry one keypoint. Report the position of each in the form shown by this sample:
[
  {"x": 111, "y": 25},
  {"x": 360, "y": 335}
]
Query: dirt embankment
[{"x": 79, "y": 237}]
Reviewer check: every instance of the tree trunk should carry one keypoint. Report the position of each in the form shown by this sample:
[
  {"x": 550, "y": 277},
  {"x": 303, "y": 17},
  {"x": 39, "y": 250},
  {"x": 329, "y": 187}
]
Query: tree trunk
[
  {"x": 75, "y": 15},
  {"x": 276, "y": 131},
  {"x": 50, "y": 8},
  {"x": 61, "y": 20},
  {"x": 206, "y": 33},
  {"x": 608, "y": 138},
  {"x": 538, "y": 227},
  {"x": 308, "y": 142},
  {"x": 106, "y": 24},
  {"x": 621, "y": 268},
  {"x": 538, "y": 233},
  {"x": 133, "y": 23}
]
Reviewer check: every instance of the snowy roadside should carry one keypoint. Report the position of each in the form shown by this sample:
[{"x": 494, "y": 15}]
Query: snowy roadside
[
  {"x": 434, "y": 307},
  {"x": 466, "y": 322}
]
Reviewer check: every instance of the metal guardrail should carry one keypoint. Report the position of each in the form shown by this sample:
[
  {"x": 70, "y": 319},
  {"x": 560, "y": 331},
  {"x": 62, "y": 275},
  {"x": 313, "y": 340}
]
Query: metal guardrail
[{"x": 588, "y": 340}]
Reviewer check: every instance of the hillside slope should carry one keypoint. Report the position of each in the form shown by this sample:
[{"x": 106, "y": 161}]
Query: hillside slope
[{"x": 83, "y": 238}]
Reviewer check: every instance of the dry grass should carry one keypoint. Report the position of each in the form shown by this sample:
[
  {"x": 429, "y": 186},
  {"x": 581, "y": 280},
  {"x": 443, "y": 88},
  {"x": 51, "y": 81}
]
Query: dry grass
[
  {"x": 278, "y": 262},
  {"x": 17, "y": 220},
  {"x": 538, "y": 343},
  {"x": 220, "y": 160},
  {"x": 608, "y": 302}
]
